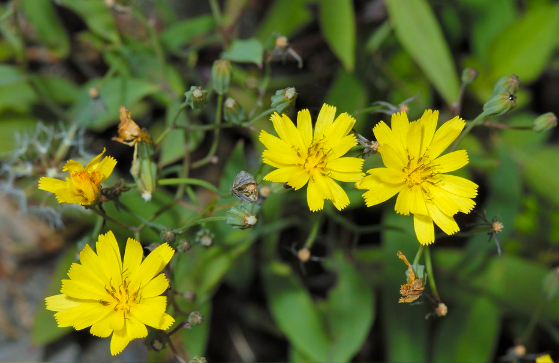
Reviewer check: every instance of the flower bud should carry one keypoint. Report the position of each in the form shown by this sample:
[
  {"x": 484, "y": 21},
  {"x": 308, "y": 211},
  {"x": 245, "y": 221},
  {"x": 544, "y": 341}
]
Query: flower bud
[
  {"x": 221, "y": 76},
  {"x": 499, "y": 104},
  {"x": 469, "y": 75},
  {"x": 189, "y": 296},
  {"x": 184, "y": 245},
  {"x": 196, "y": 97},
  {"x": 167, "y": 235},
  {"x": 551, "y": 285},
  {"x": 152, "y": 246},
  {"x": 284, "y": 99},
  {"x": 196, "y": 318},
  {"x": 144, "y": 171},
  {"x": 197, "y": 359},
  {"x": 205, "y": 237},
  {"x": 441, "y": 310},
  {"x": 545, "y": 122},
  {"x": 240, "y": 217},
  {"x": 233, "y": 112},
  {"x": 508, "y": 83}
]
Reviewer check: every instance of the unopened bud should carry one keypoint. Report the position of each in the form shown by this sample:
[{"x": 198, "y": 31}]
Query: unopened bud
[
  {"x": 545, "y": 122},
  {"x": 196, "y": 318},
  {"x": 508, "y": 83},
  {"x": 233, "y": 112},
  {"x": 499, "y": 104},
  {"x": 144, "y": 171},
  {"x": 196, "y": 97},
  {"x": 205, "y": 237},
  {"x": 167, "y": 235},
  {"x": 221, "y": 76},
  {"x": 284, "y": 99},
  {"x": 469, "y": 75},
  {"x": 197, "y": 359},
  {"x": 184, "y": 245},
  {"x": 189, "y": 296},
  {"x": 441, "y": 310},
  {"x": 240, "y": 217},
  {"x": 152, "y": 246}
]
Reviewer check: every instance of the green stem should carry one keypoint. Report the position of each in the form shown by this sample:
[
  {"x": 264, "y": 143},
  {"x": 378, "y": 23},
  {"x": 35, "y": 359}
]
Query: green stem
[
  {"x": 367, "y": 110},
  {"x": 418, "y": 255},
  {"x": 216, "y": 13},
  {"x": 215, "y": 142},
  {"x": 258, "y": 117},
  {"x": 110, "y": 219},
  {"x": 476, "y": 122},
  {"x": 172, "y": 126},
  {"x": 188, "y": 181},
  {"x": 314, "y": 232},
  {"x": 195, "y": 219},
  {"x": 65, "y": 144},
  {"x": 199, "y": 221},
  {"x": 505, "y": 127},
  {"x": 431, "y": 276},
  {"x": 533, "y": 321}
]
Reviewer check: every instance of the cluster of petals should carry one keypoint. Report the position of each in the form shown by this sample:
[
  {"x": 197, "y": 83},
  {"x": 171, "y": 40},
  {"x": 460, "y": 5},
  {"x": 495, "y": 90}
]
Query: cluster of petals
[
  {"x": 83, "y": 185},
  {"x": 113, "y": 296},
  {"x": 415, "y": 170},
  {"x": 302, "y": 156}
]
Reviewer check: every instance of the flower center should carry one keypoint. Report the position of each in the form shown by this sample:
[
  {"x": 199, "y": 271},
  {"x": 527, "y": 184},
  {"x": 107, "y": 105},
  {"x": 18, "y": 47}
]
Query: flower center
[
  {"x": 419, "y": 172},
  {"x": 87, "y": 184},
  {"x": 123, "y": 297},
  {"x": 316, "y": 158}
]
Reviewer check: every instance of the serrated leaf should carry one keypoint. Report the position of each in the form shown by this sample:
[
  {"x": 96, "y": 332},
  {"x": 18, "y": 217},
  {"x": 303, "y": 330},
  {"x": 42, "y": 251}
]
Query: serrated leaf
[
  {"x": 338, "y": 26},
  {"x": 420, "y": 34},
  {"x": 245, "y": 51},
  {"x": 98, "y": 17},
  {"x": 42, "y": 15}
]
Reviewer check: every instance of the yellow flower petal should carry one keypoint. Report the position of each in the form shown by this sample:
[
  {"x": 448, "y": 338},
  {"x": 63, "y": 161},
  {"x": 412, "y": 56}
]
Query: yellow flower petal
[
  {"x": 118, "y": 320},
  {"x": 293, "y": 137},
  {"x": 298, "y": 178},
  {"x": 446, "y": 223},
  {"x": 343, "y": 145},
  {"x": 80, "y": 273},
  {"x": 346, "y": 169},
  {"x": 119, "y": 341},
  {"x": 324, "y": 121},
  {"x": 304, "y": 126},
  {"x": 418, "y": 201},
  {"x": 281, "y": 175},
  {"x": 400, "y": 127},
  {"x": 445, "y": 135},
  {"x": 451, "y": 161},
  {"x": 390, "y": 157},
  {"x": 166, "y": 322},
  {"x": 424, "y": 229},
  {"x": 280, "y": 158},
  {"x": 340, "y": 128},
  {"x": 384, "y": 175},
  {"x": 458, "y": 186},
  {"x": 92, "y": 315},
  {"x": 276, "y": 144},
  {"x": 443, "y": 200},
  {"x": 322, "y": 186},
  {"x": 135, "y": 328},
  {"x": 106, "y": 167},
  {"x": 109, "y": 257},
  {"x": 151, "y": 266},
  {"x": 339, "y": 196},
  {"x": 60, "y": 302},
  {"x": 155, "y": 287},
  {"x": 403, "y": 201},
  {"x": 51, "y": 185},
  {"x": 81, "y": 315},
  {"x": 150, "y": 311},
  {"x": 314, "y": 198},
  {"x": 381, "y": 193},
  {"x": 74, "y": 166},
  {"x": 79, "y": 290},
  {"x": 102, "y": 328},
  {"x": 132, "y": 257},
  {"x": 90, "y": 261},
  {"x": 385, "y": 136}
]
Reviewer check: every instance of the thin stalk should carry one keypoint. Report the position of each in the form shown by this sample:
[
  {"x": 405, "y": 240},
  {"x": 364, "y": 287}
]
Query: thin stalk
[
  {"x": 110, "y": 219},
  {"x": 65, "y": 144},
  {"x": 476, "y": 122},
  {"x": 418, "y": 255},
  {"x": 215, "y": 142},
  {"x": 188, "y": 181},
  {"x": 258, "y": 117},
  {"x": 505, "y": 127},
  {"x": 314, "y": 232},
  {"x": 533, "y": 321},
  {"x": 172, "y": 126},
  {"x": 431, "y": 277},
  {"x": 199, "y": 221}
]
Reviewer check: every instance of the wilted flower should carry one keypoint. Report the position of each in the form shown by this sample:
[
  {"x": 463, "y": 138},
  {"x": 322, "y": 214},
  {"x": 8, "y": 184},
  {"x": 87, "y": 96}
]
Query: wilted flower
[
  {"x": 129, "y": 133},
  {"x": 84, "y": 184},
  {"x": 114, "y": 296},
  {"x": 413, "y": 289}
]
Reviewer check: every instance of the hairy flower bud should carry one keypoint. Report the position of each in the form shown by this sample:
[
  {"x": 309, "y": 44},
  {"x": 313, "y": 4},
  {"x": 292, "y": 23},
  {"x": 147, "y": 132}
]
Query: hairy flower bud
[
  {"x": 221, "y": 76},
  {"x": 545, "y": 122},
  {"x": 284, "y": 99},
  {"x": 508, "y": 83},
  {"x": 233, "y": 112},
  {"x": 240, "y": 217},
  {"x": 167, "y": 235},
  {"x": 184, "y": 245},
  {"x": 196, "y": 97},
  {"x": 196, "y": 318},
  {"x": 499, "y": 104},
  {"x": 469, "y": 75},
  {"x": 197, "y": 359}
]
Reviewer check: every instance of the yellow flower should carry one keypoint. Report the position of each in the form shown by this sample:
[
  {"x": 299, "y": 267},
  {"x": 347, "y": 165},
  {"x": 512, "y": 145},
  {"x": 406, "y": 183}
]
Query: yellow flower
[
  {"x": 114, "y": 296},
  {"x": 414, "y": 169},
  {"x": 544, "y": 359},
  {"x": 302, "y": 157},
  {"x": 83, "y": 185}
]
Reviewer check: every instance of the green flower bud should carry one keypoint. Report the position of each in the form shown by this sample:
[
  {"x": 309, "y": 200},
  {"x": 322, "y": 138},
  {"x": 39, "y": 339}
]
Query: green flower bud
[
  {"x": 221, "y": 76},
  {"x": 167, "y": 235},
  {"x": 197, "y": 359},
  {"x": 508, "y": 83},
  {"x": 284, "y": 99},
  {"x": 233, "y": 112},
  {"x": 196, "y": 97},
  {"x": 189, "y": 296},
  {"x": 144, "y": 171},
  {"x": 469, "y": 75},
  {"x": 205, "y": 237},
  {"x": 499, "y": 104},
  {"x": 196, "y": 318},
  {"x": 240, "y": 217},
  {"x": 545, "y": 122},
  {"x": 184, "y": 245},
  {"x": 551, "y": 285}
]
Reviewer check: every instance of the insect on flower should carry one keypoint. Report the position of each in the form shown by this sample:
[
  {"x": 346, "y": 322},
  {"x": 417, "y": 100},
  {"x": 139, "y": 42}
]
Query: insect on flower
[{"x": 245, "y": 187}]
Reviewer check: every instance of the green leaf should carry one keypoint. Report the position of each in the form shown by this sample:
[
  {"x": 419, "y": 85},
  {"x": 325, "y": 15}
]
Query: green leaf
[
  {"x": 98, "y": 17},
  {"x": 540, "y": 173},
  {"x": 526, "y": 46},
  {"x": 479, "y": 321},
  {"x": 10, "y": 125},
  {"x": 245, "y": 51},
  {"x": 420, "y": 34},
  {"x": 276, "y": 21},
  {"x": 45, "y": 329},
  {"x": 348, "y": 94},
  {"x": 348, "y": 311},
  {"x": 42, "y": 16},
  {"x": 57, "y": 89},
  {"x": 338, "y": 26},
  {"x": 181, "y": 33},
  {"x": 294, "y": 312},
  {"x": 378, "y": 37}
]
